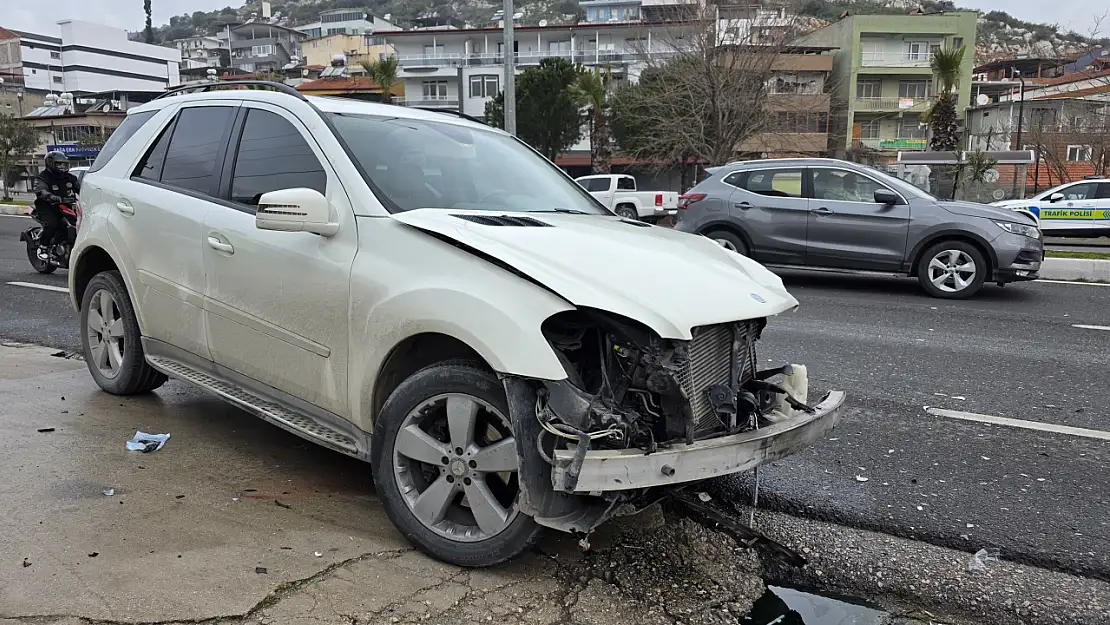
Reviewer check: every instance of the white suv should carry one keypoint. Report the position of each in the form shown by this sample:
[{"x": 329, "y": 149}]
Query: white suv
[
  {"x": 428, "y": 294},
  {"x": 1078, "y": 209}
]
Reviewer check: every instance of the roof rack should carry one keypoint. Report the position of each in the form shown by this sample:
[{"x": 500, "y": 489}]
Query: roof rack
[
  {"x": 452, "y": 112},
  {"x": 208, "y": 86}
]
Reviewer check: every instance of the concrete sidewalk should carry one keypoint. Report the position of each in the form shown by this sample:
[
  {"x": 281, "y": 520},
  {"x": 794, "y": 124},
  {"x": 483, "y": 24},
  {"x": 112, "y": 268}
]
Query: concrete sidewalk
[
  {"x": 1075, "y": 269},
  {"x": 14, "y": 209}
]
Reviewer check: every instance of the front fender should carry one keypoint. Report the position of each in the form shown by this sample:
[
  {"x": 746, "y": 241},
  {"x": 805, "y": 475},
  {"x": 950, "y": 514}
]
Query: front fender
[{"x": 93, "y": 236}]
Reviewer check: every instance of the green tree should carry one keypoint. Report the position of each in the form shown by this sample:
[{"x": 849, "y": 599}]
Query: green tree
[
  {"x": 148, "y": 32},
  {"x": 942, "y": 116},
  {"x": 17, "y": 140},
  {"x": 592, "y": 90},
  {"x": 384, "y": 73},
  {"x": 548, "y": 115}
]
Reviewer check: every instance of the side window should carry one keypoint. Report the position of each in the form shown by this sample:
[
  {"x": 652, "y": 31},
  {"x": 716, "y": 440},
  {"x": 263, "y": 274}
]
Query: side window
[
  {"x": 839, "y": 185},
  {"x": 1104, "y": 190},
  {"x": 775, "y": 182},
  {"x": 1085, "y": 191},
  {"x": 626, "y": 184},
  {"x": 195, "y": 147},
  {"x": 735, "y": 179},
  {"x": 151, "y": 167},
  {"x": 596, "y": 184},
  {"x": 273, "y": 155},
  {"x": 126, "y": 130}
]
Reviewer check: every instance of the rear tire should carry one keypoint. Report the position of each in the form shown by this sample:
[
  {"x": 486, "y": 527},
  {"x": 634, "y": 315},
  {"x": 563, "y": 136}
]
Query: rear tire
[
  {"x": 628, "y": 212},
  {"x": 952, "y": 270},
  {"x": 111, "y": 340},
  {"x": 729, "y": 241},
  {"x": 423, "y": 495},
  {"x": 37, "y": 263}
]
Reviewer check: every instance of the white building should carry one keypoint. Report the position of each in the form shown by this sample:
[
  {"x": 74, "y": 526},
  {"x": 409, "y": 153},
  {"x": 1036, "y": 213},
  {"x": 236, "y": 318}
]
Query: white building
[
  {"x": 345, "y": 22},
  {"x": 200, "y": 52},
  {"x": 262, "y": 47},
  {"x": 91, "y": 58}
]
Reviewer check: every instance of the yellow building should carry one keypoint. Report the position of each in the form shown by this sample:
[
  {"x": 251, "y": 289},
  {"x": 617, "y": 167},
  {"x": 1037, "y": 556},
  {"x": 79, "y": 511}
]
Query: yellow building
[{"x": 357, "y": 48}]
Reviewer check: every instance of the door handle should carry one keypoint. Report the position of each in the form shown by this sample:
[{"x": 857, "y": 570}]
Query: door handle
[
  {"x": 125, "y": 208},
  {"x": 823, "y": 211},
  {"x": 743, "y": 205},
  {"x": 217, "y": 244}
]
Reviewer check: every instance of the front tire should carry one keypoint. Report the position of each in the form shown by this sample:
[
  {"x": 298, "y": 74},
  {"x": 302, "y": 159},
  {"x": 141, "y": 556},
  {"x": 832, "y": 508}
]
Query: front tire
[
  {"x": 628, "y": 212},
  {"x": 729, "y": 241},
  {"x": 952, "y": 270},
  {"x": 37, "y": 263},
  {"x": 111, "y": 340},
  {"x": 445, "y": 466}
]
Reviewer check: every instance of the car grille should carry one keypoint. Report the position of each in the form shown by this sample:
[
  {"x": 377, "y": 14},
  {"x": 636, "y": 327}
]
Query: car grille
[{"x": 710, "y": 362}]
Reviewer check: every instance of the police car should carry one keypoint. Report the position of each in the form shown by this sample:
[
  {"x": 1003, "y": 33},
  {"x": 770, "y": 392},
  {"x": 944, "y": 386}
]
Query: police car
[{"x": 1079, "y": 208}]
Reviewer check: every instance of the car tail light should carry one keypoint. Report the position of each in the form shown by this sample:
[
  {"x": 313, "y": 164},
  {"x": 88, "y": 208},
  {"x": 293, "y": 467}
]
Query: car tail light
[
  {"x": 684, "y": 201},
  {"x": 658, "y": 199}
]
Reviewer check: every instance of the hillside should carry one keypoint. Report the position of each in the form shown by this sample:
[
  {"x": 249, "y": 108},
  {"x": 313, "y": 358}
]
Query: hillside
[{"x": 1000, "y": 35}]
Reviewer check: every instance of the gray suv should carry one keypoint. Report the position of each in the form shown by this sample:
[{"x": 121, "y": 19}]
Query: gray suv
[{"x": 831, "y": 214}]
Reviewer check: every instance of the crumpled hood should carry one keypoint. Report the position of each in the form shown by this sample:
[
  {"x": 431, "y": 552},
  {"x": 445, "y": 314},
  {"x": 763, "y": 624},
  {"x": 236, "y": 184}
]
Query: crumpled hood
[
  {"x": 667, "y": 280},
  {"x": 971, "y": 209}
]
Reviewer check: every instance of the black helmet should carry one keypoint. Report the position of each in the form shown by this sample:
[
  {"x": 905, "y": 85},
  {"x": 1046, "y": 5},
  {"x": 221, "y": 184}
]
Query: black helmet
[{"x": 57, "y": 161}]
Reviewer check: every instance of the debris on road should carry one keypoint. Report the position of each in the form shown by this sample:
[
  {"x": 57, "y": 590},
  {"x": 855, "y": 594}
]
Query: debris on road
[
  {"x": 317, "y": 554},
  {"x": 94, "y": 554},
  {"x": 282, "y": 505},
  {"x": 108, "y": 492},
  {"x": 147, "y": 443},
  {"x": 860, "y": 478},
  {"x": 45, "y": 430},
  {"x": 26, "y": 563},
  {"x": 979, "y": 561},
  {"x": 261, "y": 570}
]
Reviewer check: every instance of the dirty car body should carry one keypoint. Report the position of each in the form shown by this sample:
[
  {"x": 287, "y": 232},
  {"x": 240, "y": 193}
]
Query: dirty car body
[{"x": 452, "y": 308}]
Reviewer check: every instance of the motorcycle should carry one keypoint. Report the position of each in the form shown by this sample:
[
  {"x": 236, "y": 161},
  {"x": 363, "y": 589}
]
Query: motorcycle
[{"x": 59, "y": 253}]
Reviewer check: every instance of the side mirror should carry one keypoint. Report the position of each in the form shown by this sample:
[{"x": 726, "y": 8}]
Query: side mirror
[
  {"x": 1055, "y": 197},
  {"x": 886, "y": 197},
  {"x": 295, "y": 210}
]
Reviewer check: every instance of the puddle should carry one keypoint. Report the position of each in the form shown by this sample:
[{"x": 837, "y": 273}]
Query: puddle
[{"x": 786, "y": 606}]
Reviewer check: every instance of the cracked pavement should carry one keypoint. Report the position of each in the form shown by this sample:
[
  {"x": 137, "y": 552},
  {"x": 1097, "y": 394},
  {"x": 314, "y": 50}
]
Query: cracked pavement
[{"x": 194, "y": 533}]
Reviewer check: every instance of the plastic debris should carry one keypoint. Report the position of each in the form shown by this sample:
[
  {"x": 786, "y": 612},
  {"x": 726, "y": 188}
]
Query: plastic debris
[
  {"x": 94, "y": 554},
  {"x": 978, "y": 562},
  {"x": 108, "y": 492},
  {"x": 317, "y": 554},
  {"x": 282, "y": 505},
  {"x": 261, "y": 570},
  {"x": 704, "y": 497},
  {"x": 45, "y": 430},
  {"x": 26, "y": 563},
  {"x": 147, "y": 443},
  {"x": 860, "y": 478}
]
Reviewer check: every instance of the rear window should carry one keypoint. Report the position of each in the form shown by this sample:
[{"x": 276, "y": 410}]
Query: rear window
[{"x": 126, "y": 130}]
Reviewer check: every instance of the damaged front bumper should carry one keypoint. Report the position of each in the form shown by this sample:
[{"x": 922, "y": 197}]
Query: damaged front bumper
[{"x": 616, "y": 470}]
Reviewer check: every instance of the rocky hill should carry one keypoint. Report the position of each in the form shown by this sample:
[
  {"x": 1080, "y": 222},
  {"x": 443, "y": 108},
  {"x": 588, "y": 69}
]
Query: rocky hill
[{"x": 1000, "y": 35}]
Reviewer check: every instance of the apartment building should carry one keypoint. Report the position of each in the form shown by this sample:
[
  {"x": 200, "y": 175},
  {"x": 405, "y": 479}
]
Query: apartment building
[
  {"x": 882, "y": 80},
  {"x": 201, "y": 52},
  {"x": 82, "y": 57},
  {"x": 799, "y": 105},
  {"x": 262, "y": 47},
  {"x": 345, "y": 22},
  {"x": 357, "y": 48}
]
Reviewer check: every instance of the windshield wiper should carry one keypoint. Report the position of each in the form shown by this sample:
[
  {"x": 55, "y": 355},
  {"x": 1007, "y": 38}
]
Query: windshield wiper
[{"x": 569, "y": 211}]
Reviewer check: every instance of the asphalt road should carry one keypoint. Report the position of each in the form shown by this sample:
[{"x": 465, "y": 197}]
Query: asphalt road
[{"x": 1040, "y": 497}]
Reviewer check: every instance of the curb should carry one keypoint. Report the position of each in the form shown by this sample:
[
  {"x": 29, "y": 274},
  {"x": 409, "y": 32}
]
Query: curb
[
  {"x": 1075, "y": 269},
  {"x": 14, "y": 209}
]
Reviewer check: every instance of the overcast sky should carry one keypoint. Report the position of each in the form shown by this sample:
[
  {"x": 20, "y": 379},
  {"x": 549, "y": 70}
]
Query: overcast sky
[{"x": 40, "y": 17}]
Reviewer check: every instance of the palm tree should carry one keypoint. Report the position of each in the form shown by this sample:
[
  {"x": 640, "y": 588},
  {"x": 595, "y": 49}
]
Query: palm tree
[
  {"x": 148, "y": 32},
  {"x": 384, "y": 73},
  {"x": 592, "y": 91},
  {"x": 946, "y": 66}
]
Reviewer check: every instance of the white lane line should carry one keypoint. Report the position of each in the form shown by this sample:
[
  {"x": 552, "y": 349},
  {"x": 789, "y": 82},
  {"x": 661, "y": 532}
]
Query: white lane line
[
  {"x": 20, "y": 216},
  {"x": 1019, "y": 423},
  {"x": 1073, "y": 282},
  {"x": 44, "y": 287},
  {"x": 1086, "y": 327}
]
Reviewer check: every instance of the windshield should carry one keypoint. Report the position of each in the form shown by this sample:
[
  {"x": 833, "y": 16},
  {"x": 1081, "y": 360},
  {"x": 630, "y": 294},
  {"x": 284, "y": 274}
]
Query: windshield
[{"x": 417, "y": 163}]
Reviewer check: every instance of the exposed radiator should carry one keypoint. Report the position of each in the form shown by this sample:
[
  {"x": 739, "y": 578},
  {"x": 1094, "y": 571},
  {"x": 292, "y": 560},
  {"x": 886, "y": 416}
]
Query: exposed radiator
[{"x": 711, "y": 361}]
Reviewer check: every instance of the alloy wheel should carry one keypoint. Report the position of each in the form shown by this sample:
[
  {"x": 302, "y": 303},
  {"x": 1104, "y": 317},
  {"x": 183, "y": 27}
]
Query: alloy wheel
[
  {"x": 725, "y": 243},
  {"x": 105, "y": 332},
  {"x": 952, "y": 271},
  {"x": 455, "y": 464}
]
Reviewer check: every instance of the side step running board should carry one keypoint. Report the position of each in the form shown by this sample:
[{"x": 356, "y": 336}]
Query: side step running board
[{"x": 277, "y": 414}]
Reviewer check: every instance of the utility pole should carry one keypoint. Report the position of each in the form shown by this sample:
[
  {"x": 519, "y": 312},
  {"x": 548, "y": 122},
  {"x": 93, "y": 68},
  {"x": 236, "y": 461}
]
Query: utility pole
[
  {"x": 1021, "y": 122},
  {"x": 509, "y": 61}
]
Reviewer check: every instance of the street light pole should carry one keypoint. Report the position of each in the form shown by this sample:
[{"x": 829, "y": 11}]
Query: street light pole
[
  {"x": 1021, "y": 122},
  {"x": 509, "y": 62}
]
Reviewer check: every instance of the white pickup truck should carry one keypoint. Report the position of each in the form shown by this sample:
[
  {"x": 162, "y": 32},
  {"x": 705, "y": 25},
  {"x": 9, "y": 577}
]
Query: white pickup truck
[{"x": 618, "y": 193}]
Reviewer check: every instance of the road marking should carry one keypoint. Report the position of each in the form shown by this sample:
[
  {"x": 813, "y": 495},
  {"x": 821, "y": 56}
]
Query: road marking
[
  {"x": 1019, "y": 423},
  {"x": 1073, "y": 282},
  {"x": 44, "y": 287},
  {"x": 20, "y": 216},
  {"x": 1086, "y": 327}
]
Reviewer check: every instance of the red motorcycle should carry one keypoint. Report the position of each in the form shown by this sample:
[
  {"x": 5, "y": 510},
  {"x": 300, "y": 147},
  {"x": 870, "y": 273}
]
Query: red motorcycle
[{"x": 59, "y": 253}]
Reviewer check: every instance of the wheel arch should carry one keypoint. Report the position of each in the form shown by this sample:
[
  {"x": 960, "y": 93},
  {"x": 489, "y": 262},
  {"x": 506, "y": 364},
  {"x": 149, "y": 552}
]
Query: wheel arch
[
  {"x": 93, "y": 260},
  {"x": 413, "y": 354},
  {"x": 954, "y": 235},
  {"x": 727, "y": 226}
]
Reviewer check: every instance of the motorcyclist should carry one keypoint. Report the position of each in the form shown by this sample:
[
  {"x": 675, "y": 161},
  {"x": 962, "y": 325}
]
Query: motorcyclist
[{"x": 53, "y": 186}]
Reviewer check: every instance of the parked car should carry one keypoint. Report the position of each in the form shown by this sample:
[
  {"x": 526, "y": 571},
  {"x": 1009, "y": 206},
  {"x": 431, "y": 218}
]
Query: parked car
[
  {"x": 1073, "y": 209},
  {"x": 430, "y": 295},
  {"x": 618, "y": 193},
  {"x": 832, "y": 214}
]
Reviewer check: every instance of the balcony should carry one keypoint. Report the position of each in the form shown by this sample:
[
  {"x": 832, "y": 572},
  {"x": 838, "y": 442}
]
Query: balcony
[
  {"x": 430, "y": 103},
  {"x": 888, "y": 105},
  {"x": 524, "y": 59},
  {"x": 881, "y": 59},
  {"x": 903, "y": 144}
]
